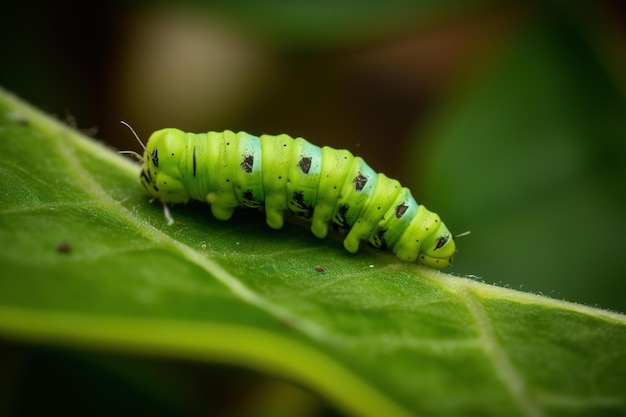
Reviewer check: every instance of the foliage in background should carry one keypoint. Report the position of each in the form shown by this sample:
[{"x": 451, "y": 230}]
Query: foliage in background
[{"x": 533, "y": 158}]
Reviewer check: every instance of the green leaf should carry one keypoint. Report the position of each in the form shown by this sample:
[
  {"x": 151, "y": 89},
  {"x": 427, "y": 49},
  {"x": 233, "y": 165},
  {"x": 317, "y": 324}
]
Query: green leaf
[{"x": 88, "y": 262}]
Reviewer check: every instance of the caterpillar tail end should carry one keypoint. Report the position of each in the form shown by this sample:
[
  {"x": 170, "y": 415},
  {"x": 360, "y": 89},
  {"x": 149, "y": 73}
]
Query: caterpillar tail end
[
  {"x": 435, "y": 263},
  {"x": 439, "y": 251}
]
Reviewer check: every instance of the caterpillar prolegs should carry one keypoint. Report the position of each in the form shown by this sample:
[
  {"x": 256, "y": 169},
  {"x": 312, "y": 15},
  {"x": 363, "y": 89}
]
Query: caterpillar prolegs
[{"x": 280, "y": 174}]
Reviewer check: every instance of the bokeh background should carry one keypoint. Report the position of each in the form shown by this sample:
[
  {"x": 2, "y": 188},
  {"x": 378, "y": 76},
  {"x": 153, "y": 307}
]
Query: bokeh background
[{"x": 507, "y": 118}]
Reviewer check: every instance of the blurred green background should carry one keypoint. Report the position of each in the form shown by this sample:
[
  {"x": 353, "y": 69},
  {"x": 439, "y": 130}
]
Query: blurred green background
[{"x": 506, "y": 118}]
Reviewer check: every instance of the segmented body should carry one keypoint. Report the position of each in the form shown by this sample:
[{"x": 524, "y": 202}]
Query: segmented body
[{"x": 280, "y": 174}]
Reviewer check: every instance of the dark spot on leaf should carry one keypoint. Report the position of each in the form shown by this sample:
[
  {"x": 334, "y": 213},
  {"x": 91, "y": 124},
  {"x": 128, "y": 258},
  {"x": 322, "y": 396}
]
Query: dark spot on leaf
[
  {"x": 320, "y": 269},
  {"x": 64, "y": 247}
]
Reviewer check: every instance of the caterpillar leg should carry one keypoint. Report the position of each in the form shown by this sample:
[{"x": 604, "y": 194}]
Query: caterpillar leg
[
  {"x": 274, "y": 218},
  {"x": 439, "y": 251},
  {"x": 426, "y": 240},
  {"x": 321, "y": 221},
  {"x": 168, "y": 215},
  {"x": 276, "y": 160},
  {"x": 220, "y": 211}
]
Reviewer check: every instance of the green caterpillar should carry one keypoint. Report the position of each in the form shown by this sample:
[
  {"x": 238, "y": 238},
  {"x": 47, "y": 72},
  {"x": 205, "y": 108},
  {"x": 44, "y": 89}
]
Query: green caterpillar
[{"x": 280, "y": 174}]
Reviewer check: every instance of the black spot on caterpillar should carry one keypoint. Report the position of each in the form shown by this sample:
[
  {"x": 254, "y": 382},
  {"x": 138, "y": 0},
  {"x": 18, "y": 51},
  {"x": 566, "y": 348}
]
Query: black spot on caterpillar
[{"x": 280, "y": 174}]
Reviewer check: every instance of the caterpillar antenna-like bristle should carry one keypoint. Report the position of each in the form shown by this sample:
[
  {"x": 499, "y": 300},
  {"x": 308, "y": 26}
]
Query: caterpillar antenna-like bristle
[
  {"x": 462, "y": 234},
  {"x": 133, "y": 153},
  {"x": 134, "y": 134}
]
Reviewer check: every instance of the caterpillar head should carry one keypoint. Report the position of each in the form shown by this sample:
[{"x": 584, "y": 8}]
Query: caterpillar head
[
  {"x": 438, "y": 250},
  {"x": 161, "y": 172}
]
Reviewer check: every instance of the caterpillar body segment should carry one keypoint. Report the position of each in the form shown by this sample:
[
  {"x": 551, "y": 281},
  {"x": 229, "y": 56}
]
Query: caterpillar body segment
[{"x": 280, "y": 174}]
